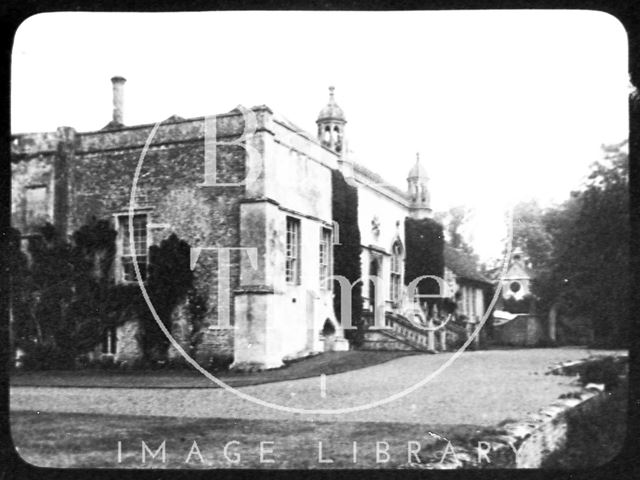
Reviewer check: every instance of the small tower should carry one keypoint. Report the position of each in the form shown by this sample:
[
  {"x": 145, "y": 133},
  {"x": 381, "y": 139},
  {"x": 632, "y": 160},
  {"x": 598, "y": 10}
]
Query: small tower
[
  {"x": 420, "y": 200},
  {"x": 331, "y": 122}
]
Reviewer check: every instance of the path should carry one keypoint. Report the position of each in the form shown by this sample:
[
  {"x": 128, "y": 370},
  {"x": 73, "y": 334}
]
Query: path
[{"x": 482, "y": 388}]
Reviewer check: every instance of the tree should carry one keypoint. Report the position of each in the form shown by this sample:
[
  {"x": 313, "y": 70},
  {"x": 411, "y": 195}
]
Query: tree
[
  {"x": 454, "y": 222},
  {"x": 580, "y": 249},
  {"x": 591, "y": 237}
]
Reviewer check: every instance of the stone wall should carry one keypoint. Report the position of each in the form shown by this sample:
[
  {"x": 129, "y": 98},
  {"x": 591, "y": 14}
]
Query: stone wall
[
  {"x": 525, "y": 330},
  {"x": 216, "y": 347},
  {"x": 528, "y": 442},
  {"x": 98, "y": 170}
]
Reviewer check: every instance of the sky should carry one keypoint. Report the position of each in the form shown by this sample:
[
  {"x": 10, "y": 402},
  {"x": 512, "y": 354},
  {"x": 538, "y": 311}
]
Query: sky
[{"x": 503, "y": 106}]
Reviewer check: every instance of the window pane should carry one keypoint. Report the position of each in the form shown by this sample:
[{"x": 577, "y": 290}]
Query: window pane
[
  {"x": 292, "y": 265},
  {"x": 140, "y": 243},
  {"x": 325, "y": 257}
]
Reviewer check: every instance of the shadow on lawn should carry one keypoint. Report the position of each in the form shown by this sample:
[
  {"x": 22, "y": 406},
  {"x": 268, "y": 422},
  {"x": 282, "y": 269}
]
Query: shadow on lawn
[
  {"x": 87, "y": 440},
  {"x": 326, "y": 363}
]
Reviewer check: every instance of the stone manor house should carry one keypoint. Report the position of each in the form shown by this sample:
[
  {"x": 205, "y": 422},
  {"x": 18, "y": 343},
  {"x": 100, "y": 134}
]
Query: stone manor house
[{"x": 278, "y": 304}]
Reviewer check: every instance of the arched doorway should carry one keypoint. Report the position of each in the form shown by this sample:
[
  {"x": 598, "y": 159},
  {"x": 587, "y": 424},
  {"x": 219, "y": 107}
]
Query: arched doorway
[{"x": 328, "y": 334}]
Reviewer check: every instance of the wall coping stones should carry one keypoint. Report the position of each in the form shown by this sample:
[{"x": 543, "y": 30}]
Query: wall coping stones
[{"x": 572, "y": 367}]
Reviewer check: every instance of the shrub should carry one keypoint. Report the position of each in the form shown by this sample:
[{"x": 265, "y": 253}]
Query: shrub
[{"x": 63, "y": 302}]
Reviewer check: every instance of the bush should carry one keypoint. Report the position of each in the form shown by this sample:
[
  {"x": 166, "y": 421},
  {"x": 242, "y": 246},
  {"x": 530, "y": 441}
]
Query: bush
[
  {"x": 44, "y": 356},
  {"x": 63, "y": 302}
]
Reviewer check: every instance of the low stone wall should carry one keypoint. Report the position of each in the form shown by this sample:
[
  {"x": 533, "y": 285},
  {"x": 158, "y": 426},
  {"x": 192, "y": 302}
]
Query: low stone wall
[
  {"x": 528, "y": 442},
  {"x": 523, "y": 331},
  {"x": 547, "y": 431}
]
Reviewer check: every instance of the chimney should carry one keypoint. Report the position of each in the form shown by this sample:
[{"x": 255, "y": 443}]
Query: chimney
[{"x": 118, "y": 99}]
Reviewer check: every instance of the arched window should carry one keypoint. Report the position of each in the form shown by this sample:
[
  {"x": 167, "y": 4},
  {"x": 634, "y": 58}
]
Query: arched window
[
  {"x": 396, "y": 271},
  {"x": 327, "y": 135},
  {"x": 337, "y": 138}
]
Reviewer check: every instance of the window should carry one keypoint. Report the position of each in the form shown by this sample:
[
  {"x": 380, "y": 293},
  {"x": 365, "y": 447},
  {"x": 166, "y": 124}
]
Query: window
[
  {"x": 109, "y": 341},
  {"x": 396, "y": 272},
  {"x": 35, "y": 203},
  {"x": 473, "y": 302},
  {"x": 325, "y": 258},
  {"x": 127, "y": 272},
  {"x": 292, "y": 267}
]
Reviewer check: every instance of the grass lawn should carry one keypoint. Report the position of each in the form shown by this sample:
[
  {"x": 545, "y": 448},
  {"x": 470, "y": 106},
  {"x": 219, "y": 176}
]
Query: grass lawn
[
  {"x": 84, "y": 440},
  {"x": 327, "y": 363}
]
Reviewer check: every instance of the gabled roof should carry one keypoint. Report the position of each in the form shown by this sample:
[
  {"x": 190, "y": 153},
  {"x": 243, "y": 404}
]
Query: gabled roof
[
  {"x": 463, "y": 265},
  {"x": 518, "y": 270}
]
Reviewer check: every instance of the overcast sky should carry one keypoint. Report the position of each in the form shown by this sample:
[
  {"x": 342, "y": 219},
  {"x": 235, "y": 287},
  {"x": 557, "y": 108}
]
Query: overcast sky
[{"x": 503, "y": 106}]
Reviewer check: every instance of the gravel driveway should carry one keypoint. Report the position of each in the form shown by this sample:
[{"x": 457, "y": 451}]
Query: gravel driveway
[{"x": 482, "y": 388}]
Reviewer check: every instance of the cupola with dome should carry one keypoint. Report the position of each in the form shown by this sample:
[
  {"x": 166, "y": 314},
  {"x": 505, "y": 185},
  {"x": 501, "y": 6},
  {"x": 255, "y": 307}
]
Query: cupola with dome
[
  {"x": 331, "y": 122},
  {"x": 420, "y": 200}
]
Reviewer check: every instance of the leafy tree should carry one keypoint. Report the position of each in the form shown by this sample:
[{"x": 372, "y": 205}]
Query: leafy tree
[
  {"x": 591, "y": 248},
  {"x": 454, "y": 222},
  {"x": 580, "y": 249},
  {"x": 530, "y": 234}
]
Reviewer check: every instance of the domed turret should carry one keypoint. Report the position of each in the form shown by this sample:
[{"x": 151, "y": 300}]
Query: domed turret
[
  {"x": 331, "y": 122},
  {"x": 417, "y": 171},
  {"x": 420, "y": 200}
]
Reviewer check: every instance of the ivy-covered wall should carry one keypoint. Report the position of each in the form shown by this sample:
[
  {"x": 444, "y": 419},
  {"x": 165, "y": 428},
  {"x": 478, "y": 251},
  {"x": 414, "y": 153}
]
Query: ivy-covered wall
[
  {"x": 346, "y": 255},
  {"x": 64, "y": 297},
  {"x": 424, "y": 243}
]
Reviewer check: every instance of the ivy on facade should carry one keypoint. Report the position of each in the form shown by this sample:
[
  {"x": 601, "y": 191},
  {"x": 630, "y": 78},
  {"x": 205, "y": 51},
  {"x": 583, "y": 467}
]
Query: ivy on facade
[
  {"x": 64, "y": 297},
  {"x": 424, "y": 243},
  {"x": 346, "y": 254}
]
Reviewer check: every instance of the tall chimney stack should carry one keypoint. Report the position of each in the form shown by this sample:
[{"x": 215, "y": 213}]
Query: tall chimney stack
[{"x": 118, "y": 99}]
